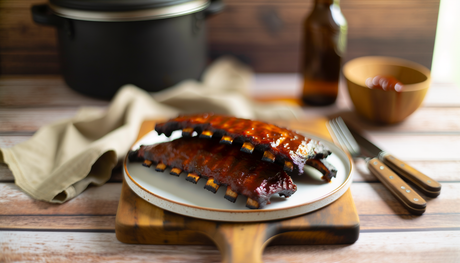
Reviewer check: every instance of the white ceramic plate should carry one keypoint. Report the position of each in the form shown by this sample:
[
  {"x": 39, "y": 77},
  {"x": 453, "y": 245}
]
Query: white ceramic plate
[{"x": 177, "y": 195}]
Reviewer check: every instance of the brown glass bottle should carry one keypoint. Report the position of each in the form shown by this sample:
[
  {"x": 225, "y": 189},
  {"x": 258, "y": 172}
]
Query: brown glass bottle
[{"x": 323, "y": 47}]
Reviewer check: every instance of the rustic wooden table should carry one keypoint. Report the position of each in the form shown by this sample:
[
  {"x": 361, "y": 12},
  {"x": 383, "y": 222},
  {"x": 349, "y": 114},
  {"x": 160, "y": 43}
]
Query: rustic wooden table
[{"x": 83, "y": 228}]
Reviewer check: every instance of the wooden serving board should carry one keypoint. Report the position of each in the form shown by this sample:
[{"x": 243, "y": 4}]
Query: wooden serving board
[{"x": 139, "y": 222}]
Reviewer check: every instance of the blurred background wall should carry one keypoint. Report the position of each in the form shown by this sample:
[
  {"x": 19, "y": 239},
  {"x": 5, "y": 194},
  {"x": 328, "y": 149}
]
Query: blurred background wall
[
  {"x": 263, "y": 33},
  {"x": 446, "y": 57}
]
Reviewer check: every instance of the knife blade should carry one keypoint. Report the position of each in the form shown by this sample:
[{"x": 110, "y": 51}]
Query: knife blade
[{"x": 424, "y": 183}]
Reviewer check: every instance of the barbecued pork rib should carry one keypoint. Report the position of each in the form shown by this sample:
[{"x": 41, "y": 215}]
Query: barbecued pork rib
[
  {"x": 243, "y": 174},
  {"x": 327, "y": 169},
  {"x": 280, "y": 144}
]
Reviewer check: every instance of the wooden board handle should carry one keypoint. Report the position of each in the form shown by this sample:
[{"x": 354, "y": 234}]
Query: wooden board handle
[{"x": 240, "y": 243}]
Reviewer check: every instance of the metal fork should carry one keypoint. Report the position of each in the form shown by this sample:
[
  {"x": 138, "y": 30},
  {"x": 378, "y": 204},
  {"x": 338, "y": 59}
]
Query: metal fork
[{"x": 342, "y": 136}]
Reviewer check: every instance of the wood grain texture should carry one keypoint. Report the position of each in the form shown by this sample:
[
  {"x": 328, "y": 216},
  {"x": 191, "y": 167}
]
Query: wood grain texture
[
  {"x": 73, "y": 223},
  {"x": 139, "y": 222},
  {"x": 375, "y": 199},
  {"x": 101, "y": 200},
  {"x": 289, "y": 85},
  {"x": 429, "y": 119},
  {"x": 431, "y": 246},
  {"x": 417, "y": 122},
  {"x": 440, "y": 170},
  {"x": 27, "y": 246},
  {"x": 370, "y": 199},
  {"x": 82, "y": 230},
  {"x": 38, "y": 93},
  {"x": 30, "y": 120},
  {"x": 264, "y": 33},
  {"x": 374, "y": 29},
  {"x": 92, "y": 223}
]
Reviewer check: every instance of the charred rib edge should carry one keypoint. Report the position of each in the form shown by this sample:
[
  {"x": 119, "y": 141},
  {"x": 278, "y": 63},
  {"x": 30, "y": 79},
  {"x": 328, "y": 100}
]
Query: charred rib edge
[
  {"x": 230, "y": 195},
  {"x": 160, "y": 167},
  {"x": 250, "y": 203},
  {"x": 175, "y": 171},
  {"x": 268, "y": 157},
  {"x": 206, "y": 134},
  {"x": 191, "y": 177},
  {"x": 211, "y": 185},
  {"x": 288, "y": 166},
  {"x": 226, "y": 140},
  {"x": 147, "y": 163},
  {"x": 247, "y": 147}
]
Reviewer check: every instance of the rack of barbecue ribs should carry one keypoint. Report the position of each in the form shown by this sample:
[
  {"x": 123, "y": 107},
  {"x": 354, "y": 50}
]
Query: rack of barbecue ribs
[
  {"x": 291, "y": 149},
  {"x": 221, "y": 165}
]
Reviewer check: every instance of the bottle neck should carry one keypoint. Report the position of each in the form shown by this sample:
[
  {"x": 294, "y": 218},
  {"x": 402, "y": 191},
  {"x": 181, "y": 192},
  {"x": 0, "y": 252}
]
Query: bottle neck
[{"x": 327, "y": 2}]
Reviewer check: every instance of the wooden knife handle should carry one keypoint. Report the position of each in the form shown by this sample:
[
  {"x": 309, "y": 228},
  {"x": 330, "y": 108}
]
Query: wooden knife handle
[
  {"x": 426, "y": 184},
  {"x": 406, "y": 195}
]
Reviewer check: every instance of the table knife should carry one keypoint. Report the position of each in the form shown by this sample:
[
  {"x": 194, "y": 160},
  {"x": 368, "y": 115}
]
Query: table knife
[{"x": 424, "y": 183}]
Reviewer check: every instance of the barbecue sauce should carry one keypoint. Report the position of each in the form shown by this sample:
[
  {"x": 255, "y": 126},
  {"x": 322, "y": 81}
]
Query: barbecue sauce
[
  {"x": 284, "y": 143},
  {"x": 323, "y": 47},
  {"x": 246, "y": 174},
  {"x": 386, "y": 83}
]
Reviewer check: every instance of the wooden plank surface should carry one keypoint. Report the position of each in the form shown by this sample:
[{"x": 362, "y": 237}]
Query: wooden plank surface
[
  {"x": 83, "y": 228},
  {"x": 264, "y": 33},
  {"x": 371, "y": 199},
  {"x": 89, "y": 247},
  {"x": 427, "y": 119}
]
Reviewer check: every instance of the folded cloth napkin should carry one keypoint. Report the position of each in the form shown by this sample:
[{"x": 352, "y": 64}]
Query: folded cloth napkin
[{"x": 63, "y": 158}]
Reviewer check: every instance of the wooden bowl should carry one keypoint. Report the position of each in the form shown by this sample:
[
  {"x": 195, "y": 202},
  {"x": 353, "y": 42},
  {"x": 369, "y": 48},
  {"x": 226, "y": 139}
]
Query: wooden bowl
[{"x": 386, "y": 107}]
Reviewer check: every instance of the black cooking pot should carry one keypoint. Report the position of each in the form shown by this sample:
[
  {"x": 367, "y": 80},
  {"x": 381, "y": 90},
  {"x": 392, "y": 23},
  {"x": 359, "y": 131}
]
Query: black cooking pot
[{"x": 104, "y": 44}]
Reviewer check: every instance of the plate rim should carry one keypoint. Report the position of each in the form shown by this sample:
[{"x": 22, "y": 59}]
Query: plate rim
[{"x": 340, "y": 190}]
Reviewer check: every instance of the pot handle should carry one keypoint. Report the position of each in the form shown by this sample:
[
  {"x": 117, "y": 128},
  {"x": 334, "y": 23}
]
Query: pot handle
[
  {"x": 42, "y": 14},
  {"x": 215, "y": 7}
]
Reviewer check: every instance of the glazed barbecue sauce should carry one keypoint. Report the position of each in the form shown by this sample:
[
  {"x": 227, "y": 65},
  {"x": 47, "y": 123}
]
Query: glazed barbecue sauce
[
  {"x": 387, "y": 83},
  {"x": 246, "y": 174},
  {"x": 283, "y": 143}
]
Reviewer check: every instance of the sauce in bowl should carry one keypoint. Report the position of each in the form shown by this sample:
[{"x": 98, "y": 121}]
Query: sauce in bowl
[{"x": 387, "y": 83}]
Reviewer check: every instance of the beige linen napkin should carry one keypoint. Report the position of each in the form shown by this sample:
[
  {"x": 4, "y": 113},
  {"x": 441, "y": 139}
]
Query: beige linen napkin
[{"x": 63, "y": 158}]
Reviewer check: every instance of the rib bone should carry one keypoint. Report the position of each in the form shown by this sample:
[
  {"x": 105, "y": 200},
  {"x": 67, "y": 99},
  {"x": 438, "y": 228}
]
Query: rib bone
[
  {"x": 226, "y": 140},
  {"x": 187, "y": 132},
  {"x": 206, "y": 134},
  {"x": 175, "y": 171},
  {"x": 288, "y": 166},
  {"x": 191, "y": 177},
  {"x": 147, "y": 163},
  {"x": 160, "y": 167},
  {"x": 268, "y": 157},
  {"x": 326, "y": 168},
  {"x": 222, "y": 165},
  {"x": 230, "y": 195},
  {"x": 252, "y": 203},
  {"x": 247, "y": 147},
  {"x": 284, "y": 143},
  {"x": 211, "y": 185}
]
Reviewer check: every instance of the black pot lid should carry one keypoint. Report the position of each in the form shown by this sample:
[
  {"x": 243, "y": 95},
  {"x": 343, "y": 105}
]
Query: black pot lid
[
  {"x": 115, "y": 5},
  {"x": 125, "y": 10}
]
